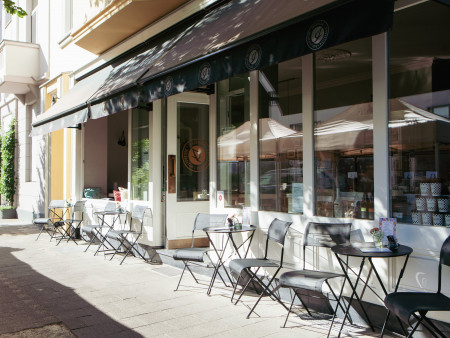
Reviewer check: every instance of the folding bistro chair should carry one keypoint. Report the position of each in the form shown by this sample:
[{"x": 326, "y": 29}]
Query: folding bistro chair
[
  {"x": 324, "y": 235},
  {"x": 408, "y": 305},
  {"x": 46, "y": 223},
  {"x": 95, "y": 231},
  {"x": 128, "y": 239},
  {"x": 195, "y": 256},
  {"x": 69, "y": 227},
  {"x": 243, "y": 267}
]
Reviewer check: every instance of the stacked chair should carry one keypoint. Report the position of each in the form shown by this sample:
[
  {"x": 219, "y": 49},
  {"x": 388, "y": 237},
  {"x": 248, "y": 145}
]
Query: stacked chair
[
  {"x": 408, "y": 306},
  {"x": 47, "y": 223},
  {"x": 126, "y": 241},
  {"x": 247, "y": 268},
  {"x": 195, "y": 256},
  {"x": 67, "y": 228},
  {"x": 317, "y": 235},
  {"x": 93, "y": 232}
]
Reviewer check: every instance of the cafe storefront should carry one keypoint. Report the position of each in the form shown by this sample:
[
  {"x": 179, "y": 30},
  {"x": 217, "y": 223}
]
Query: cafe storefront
[{"x": 315, "y": 114}]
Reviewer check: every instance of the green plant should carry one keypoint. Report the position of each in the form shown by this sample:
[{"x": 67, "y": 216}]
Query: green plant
[
  {"x": 11, "y": 8},
  {"x": 8, "y": 178},
  {"x": 6, "y": 207}
]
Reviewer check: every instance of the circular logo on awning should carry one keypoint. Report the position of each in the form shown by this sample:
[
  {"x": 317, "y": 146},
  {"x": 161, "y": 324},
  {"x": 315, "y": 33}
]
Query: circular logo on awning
[
  {"x": 168, "y": 85},
  {"x": 195, "y": 155},
  {"x": 204, "y": 73},
  {"x": 317, "y": 34},
  {"x": 253, "y": 57}
]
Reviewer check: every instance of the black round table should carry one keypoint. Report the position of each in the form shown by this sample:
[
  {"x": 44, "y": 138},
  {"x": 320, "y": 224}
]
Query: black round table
[
  {"x": 229, "y": 232},
  {"x": 365, "y": 252}
]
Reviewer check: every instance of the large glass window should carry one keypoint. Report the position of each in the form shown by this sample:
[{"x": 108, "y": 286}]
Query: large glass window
[
  {"x": 193, "y": 151},
  {"x": 140, "y": 147},
  {"x": 419, "y": 125},
  {"x": 344, "y": 131},
  {"x": 233, "y": 140},
  {"x": 280, "y": 138}
]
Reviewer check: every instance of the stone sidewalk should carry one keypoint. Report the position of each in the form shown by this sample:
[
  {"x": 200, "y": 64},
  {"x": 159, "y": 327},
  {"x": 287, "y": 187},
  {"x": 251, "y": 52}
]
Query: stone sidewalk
[{"x": 62, "y": 291}]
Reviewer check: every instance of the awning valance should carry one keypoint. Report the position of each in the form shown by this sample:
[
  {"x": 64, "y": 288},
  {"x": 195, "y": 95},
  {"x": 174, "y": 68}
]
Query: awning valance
[
  {"x": 72, "y": 108},
  {"x": 233, "y": 38}
]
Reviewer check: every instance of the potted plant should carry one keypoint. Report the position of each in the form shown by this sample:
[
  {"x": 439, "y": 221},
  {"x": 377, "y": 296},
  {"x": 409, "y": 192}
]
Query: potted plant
[{"x": 8, "y": 176}]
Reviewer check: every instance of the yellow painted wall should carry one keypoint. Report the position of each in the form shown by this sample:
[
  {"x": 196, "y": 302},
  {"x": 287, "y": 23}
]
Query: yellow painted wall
[
  {"x": 56, "y": 165},
  {"x": 60, "y": 148}
]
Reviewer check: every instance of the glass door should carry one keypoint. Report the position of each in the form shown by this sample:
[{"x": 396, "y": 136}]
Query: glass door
[{"x": 187, "y": 162}]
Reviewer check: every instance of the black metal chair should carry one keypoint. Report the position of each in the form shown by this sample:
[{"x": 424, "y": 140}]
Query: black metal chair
[
  {"x": 324, "y": 235},
  {"x": 68, "y": 227},
  {"x": 196, "y": 256},
  {"x": 93, "y": 232},
  {"x": 409, "y": 305},
  {"x": 242, "y": 268},
  {"x": 128, "y": 239},
  {"x": 46, "y": 223}
]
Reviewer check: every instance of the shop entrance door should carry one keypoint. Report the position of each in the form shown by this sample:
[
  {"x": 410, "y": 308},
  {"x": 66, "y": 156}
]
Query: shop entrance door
[{"x": 187, "y": 164}]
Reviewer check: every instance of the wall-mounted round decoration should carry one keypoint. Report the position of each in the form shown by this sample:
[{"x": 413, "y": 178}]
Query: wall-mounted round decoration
[
  {"x": 195, "y": 155},
  {"x": 253, "y": 57},
  {"x": 204, "y": 73},
  {"x": 168, "y": 85},
  {"x": 317, "y": 34}
]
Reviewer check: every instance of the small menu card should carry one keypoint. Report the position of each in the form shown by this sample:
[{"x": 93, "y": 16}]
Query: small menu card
[{"x": 389, "y": 227}]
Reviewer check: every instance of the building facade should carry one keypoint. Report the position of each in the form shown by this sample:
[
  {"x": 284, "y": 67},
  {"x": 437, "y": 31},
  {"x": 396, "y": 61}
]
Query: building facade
[{"x": 326, "y": 111}]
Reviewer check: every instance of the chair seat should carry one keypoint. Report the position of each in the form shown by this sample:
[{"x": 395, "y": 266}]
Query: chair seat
[
  {"x": 72, "y": 220},
  {"x": 90, "y": 228},
  {"x": 117, "y": 234},
  {"x": 306, "y": 279},
  {"x": 190, "y": 254},
  {"x": 404, "y": 304},
  {"x": 41, "y": 220},
  {"x": 237, "y": 265}
]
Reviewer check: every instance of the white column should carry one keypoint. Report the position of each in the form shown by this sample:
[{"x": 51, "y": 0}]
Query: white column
[
  {"x": 308, "y": 134},
  {"x": 380, "y": 125},
  {"x": 254, "y": 142},
  {"x": 156, "y": 179},
  {"x": 213, "y": 151}
]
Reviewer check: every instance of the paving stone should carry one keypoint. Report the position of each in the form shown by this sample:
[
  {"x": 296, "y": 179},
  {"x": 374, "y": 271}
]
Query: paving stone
[{"x": 42, "y": 284}]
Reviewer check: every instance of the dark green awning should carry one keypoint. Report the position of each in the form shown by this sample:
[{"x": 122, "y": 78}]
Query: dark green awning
[
  {"x": 234, "y": 38},
  {"x": 241, "y": 36}
]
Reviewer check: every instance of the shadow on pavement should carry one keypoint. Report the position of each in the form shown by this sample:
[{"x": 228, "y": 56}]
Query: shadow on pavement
[{"x": 30, "y": 300}]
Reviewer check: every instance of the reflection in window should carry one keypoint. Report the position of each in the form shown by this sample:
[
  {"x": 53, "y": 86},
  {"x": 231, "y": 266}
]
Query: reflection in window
[
  {"x": 193, "y": 152},
  {"x": 140, "y": 154},
  {"x": 344, "y": 131},
  {"x": 233, "y": 140},
  {"x": 280, "y": 138},
  {"x": 419, "y": 125}
]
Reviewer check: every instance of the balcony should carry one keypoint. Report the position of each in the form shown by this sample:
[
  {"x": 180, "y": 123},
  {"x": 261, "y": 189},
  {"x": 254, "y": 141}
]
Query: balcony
[
  {"x": 19, "y": 66},
  {"x": 118, "y": 20}
]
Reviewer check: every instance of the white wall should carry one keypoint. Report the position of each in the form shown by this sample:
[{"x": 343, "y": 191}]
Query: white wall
[
  {"x": 117, "y": 155},
  {"x": 95, "y": 154}
]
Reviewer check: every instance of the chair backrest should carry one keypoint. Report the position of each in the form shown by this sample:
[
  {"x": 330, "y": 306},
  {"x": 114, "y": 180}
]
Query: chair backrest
[
  {"x": 277, "y": 233},
  {"x": 325, "y": 235},
  {"x": 444, "y": 259},
  {"x": 110, "y": 206},
  {"x": 203, "y": 220},
  {"x": 78, "y": 207},
  {"x": 278, "y": 230},
  {"x": 138, "y": 215}
]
